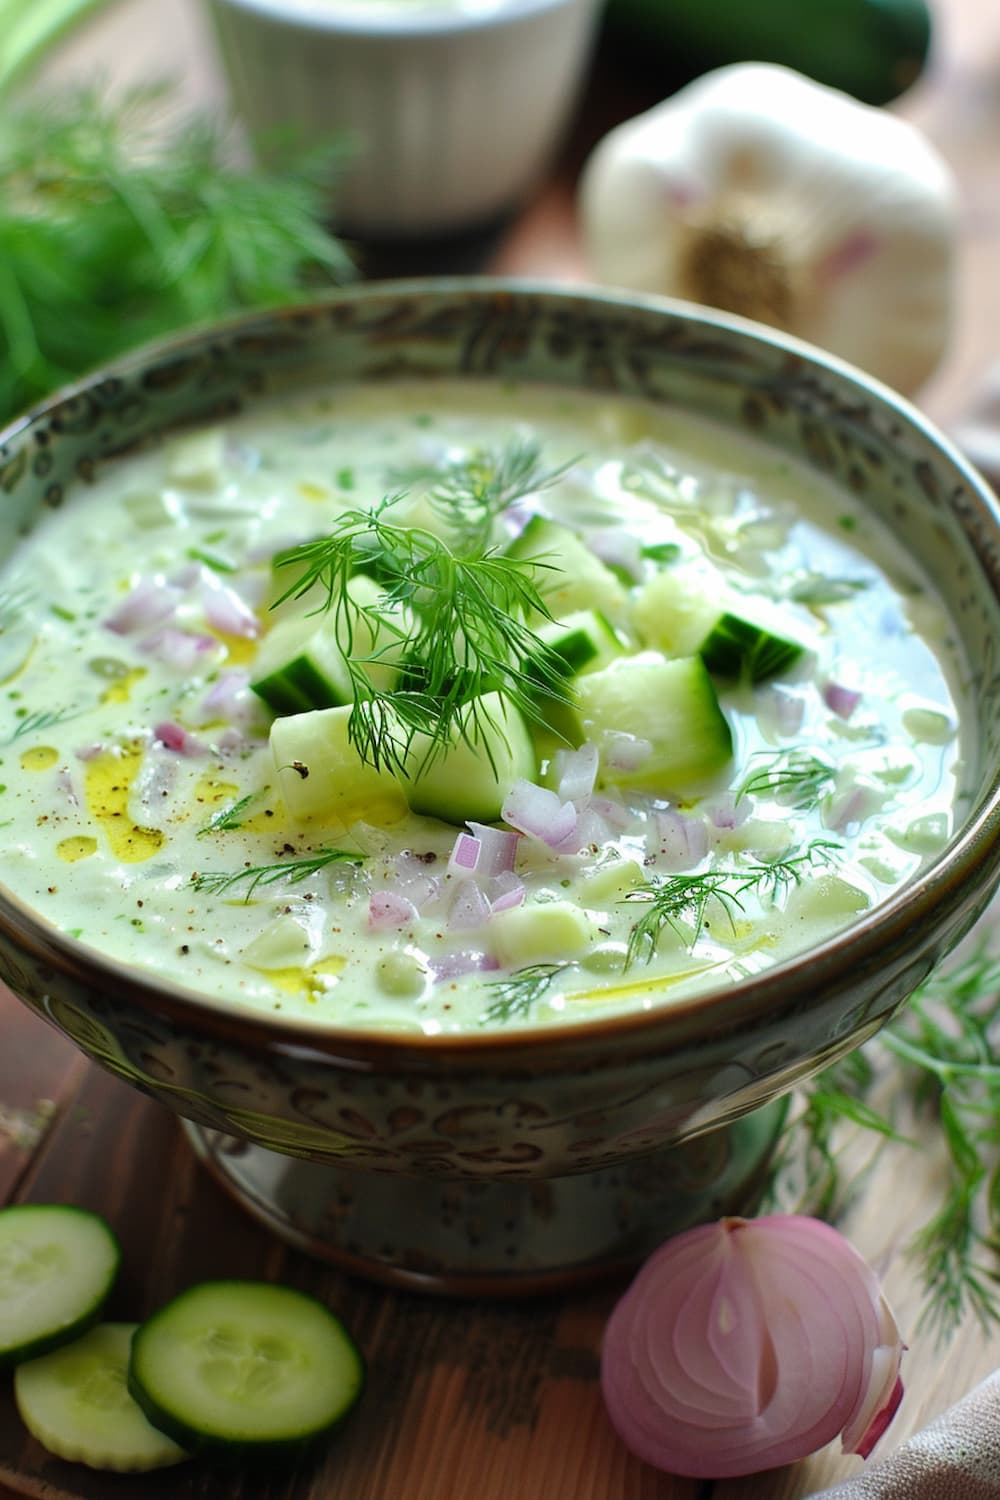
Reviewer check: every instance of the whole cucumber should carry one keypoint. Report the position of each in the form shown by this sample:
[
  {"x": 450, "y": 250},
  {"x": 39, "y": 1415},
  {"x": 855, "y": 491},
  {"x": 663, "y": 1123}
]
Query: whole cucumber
[{"x": 872, "y": 49}]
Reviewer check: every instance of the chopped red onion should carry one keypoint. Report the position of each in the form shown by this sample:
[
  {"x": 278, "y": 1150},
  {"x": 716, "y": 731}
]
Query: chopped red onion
[
  {"x": 173, "y": 737},
  {"x": 389, "y": 909},
  {"x": 625, "y": 752},
  {"x": 228, "y": 697},
  {"x": 613, "y": 810},
  {"x": 576, "y": 771},
  {"x": 149, "y": 603},
  {"x": 683, "y": 840},
  {"x": 591, "y": 828},
  {"x": 507, "y": 891},
  {"x": 470, "y": 906},
  {"x": 454, "y": 965},
  {"x": 225, "y": 610},
  {"x": 64, "y": 781},
  {"x": 839, "y": 699},
  {"x": 422, "y": 890},
  {"x": 728, "y": 810},
  {"x": 464, "y": 857},
  {"x": 779, "y": 710},
  {"x": 850, "y": 805},
  {"x": 179, "y": 649},
  {"x": 497, "y": 848},
  {"x": 537, "y": 811},
  {"x": 91, "y": 751}
]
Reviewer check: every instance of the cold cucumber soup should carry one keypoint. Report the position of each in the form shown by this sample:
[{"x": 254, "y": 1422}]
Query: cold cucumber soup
[{"x": 436, "y": 709}]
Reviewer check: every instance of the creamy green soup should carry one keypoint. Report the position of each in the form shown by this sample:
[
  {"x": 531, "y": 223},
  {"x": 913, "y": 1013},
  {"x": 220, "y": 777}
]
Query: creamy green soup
[{"x": 474, "y": 707}]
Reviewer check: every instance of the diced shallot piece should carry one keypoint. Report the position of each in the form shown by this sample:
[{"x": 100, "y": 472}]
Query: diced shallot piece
[
  {"x": 577, "y": 772},
  {"x": 780, "y": 711},
  {"x": 497, "y": 848},
  {"x": 537, "y": 811},
  {"x": 465, "y": 855},
  {"x": 682, "y": 840},
  {"x": 625, "y": 752},
  {"x": 453, "y": 965},
  {"x": 179, "y": 649},
  {"x": 174, "y": 737},
  {"x": 470, "y": 906},
  {"x": 508, "y": 891},
  {"x": 389, "y": 909},
  {"x": 839, "y": 699},
  {"x": 225, "y": 611},
  {"x": 149, "y": 603},
  {"x": 228, "y": 697}
]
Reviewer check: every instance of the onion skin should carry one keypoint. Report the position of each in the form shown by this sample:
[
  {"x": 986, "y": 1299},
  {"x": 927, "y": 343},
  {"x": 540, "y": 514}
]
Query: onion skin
[{"x": 747, "y": 1344}]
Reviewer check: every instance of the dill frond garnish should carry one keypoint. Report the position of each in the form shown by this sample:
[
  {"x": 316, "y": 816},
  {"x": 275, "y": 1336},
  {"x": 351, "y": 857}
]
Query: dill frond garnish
[
  {"x": 37, "y": 723},
  {"x": 228, "y": 817},
  {"x": 295, "y": 871},
  {"x": 792, "y": 776},
  {"x": 679, "y": 901},
  {"x": 465, "y": 634},
  {"x": 472, "y": 492},
  {"x": 516, "y": 995}
]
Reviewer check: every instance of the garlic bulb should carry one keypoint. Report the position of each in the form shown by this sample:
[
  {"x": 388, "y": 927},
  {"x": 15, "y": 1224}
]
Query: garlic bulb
[{"x": 757, "y": 191}]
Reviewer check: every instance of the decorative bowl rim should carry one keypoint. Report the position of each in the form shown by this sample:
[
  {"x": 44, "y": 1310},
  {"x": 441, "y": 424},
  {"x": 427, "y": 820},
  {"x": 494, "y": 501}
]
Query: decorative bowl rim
[
  {"x": 973, "y": 849},
  {"x": 405, "y": 20}
]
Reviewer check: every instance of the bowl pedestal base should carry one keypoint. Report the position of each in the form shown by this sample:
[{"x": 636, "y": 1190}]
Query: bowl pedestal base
[{"x": 498, "y": 1236}]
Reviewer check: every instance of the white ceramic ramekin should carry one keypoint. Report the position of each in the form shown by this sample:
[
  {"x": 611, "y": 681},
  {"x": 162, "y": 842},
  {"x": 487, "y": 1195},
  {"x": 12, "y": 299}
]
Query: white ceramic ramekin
[{"x": 456, "y": 107}]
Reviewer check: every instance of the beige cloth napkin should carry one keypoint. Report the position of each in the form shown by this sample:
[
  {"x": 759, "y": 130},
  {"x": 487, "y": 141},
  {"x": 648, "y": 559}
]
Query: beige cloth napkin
[{"x": 956, "y": 1458}]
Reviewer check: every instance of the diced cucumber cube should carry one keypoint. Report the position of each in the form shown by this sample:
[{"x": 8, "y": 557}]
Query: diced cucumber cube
[
  {"x": 549, "y": 930},
  {"x": 570, "y": 577},
  {"x": 673, "y": 705},
  {"x": 739, "y": 647},
  {"x": 197, "y": 461},
  {"x": 583, "y": 641},
  {"x": 470, "y": 773},
  {"x": 322, "y": 777},
  {"x": 675, "y": 610}
]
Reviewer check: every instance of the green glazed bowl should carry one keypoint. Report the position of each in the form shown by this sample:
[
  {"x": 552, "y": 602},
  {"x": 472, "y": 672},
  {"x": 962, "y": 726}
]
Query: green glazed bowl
[{"x": 499, "y": 1162}]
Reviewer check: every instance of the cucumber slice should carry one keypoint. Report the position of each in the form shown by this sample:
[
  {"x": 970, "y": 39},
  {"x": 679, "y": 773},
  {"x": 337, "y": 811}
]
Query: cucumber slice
[
  {"x": 244, "y": 1367},
  {"x": 76, "y": 1402},
  {"x": 738, "y": 647},
  {"x": 301, "y": 663},
  {"x": 672, "y": 704},
  {"x": 57, "y": 1266},
  {"x": 583, "y": 641},
  {"x": 469, "y": 775},
  {"x": 572, "y": 578},
  {"x": 321, "y": 776}
]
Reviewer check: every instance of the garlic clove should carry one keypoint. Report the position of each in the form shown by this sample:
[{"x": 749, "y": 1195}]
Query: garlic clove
[{"x": 757, "y": 191}]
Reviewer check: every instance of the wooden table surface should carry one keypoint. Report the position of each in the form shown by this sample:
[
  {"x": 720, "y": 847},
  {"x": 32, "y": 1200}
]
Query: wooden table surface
[{"x": 466, "y": 1401}]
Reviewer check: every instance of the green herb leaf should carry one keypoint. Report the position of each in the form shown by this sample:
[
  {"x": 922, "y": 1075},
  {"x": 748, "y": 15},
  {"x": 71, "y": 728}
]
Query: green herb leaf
[
  {"x": 293, "y": 870},
  {"x": 516, "y": 995}
]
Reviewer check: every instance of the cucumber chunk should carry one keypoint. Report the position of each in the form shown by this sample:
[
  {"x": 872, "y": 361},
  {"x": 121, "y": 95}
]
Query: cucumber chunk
[
  {"x": 237, "y": 1368},
  {"x": 583, "y": 641},
  {"x": 469, "y": 775},
  {"x": 76, "y": 1402},
  {"x": 57, "y": 1266},
  {"x": 689, "y": 611},
  {"x": 301, "y": 663},
  {"x": 321, "y": 775},
  {"x": 571, "y": 577},
  {"x": 738, "y": 647},
  {"x": 673, "y": 705}
]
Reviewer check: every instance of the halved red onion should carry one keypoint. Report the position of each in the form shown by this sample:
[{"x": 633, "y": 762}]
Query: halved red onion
[
  {"x": 624, "y": 752},
  {"x": 839, "y": 699},
  {"x": 537, "y": 811},
  {"x": 576, "y": 772},
  {"x": 681, "y": 840},
  {"x": 497, "y": 848},
  {"x": 174, "y": 737},
  {"x": 389, "y": 909},
  {"x": 746, "y": 1344},
  {"x": 149, "y": 603}
]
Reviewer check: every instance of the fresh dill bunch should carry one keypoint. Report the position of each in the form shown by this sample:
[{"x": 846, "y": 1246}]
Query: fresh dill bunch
[
  {"x": 466, "y": 635},
  {"x": 793, "y": 776},
  {"x": 472, "y": 492},
  {"x": 117, "y": 226},
  {"x": 217, "y": 882},
  {"x": 677, "y": 901},
  {"x": 937, "y": 1063},
  {"x": 516, "y": 995}
]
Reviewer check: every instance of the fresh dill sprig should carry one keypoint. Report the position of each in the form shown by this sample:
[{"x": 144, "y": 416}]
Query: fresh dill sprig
[
  {"x": 678, "y": 900},
  {"x": 228, "y": 817},
  {"x": 516, "y": 995},
  {"x": 36, "y": 723},
  {"x": 216, "y": 882},
  {"x": 118, "y": 227},
  {"x": 792, "y": 776},
  {"x": 938, "y": 1060},
  {"x": 470, "y": 493},
  {"x": 466, "y": 635}
]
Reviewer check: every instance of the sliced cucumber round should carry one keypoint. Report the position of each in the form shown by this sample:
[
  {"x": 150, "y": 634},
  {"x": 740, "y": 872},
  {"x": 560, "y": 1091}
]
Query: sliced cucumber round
[
  {"x": 233, "y": 1368},
  {"x": 57, "y": 1266},
  {"x": 75, "y": 1401}
]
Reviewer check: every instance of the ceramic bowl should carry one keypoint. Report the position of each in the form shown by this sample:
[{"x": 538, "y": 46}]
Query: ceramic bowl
[
  {"x": 513, "y": 1160},
  {"x": 455, "y": 107}
]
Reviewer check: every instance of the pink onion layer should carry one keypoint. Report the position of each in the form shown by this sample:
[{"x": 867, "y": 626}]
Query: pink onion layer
[
  {"x": 537, "y": 811},
  {"x": 747, "y": 1344}
]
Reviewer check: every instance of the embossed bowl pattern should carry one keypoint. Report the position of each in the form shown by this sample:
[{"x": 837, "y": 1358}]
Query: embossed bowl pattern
[{"x": 591, "y": 1095}]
